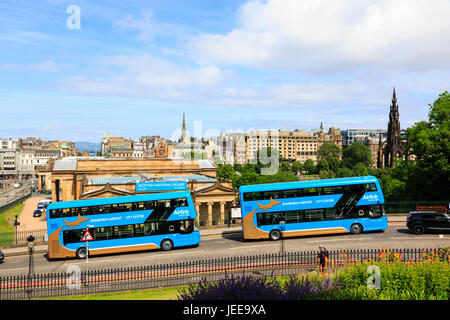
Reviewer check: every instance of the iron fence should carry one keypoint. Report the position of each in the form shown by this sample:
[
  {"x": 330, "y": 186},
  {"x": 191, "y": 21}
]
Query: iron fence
[
  {"x": 76, "y": 281},
  {"x": 407, "y": 206},
  {"x": 19, "y": 238}
]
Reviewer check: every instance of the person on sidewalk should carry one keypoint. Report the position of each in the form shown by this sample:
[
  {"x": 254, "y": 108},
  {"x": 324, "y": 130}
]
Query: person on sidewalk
[{"x": 322, "y": 257}]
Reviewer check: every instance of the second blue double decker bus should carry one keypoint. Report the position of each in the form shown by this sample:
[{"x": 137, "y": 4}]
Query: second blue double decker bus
[
  {"x": 272, "y": 211},
  {"x": 120, "y": 224}
]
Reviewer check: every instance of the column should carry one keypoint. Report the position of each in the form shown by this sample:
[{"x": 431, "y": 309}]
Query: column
[
  {"x": 197, "y": 208},
  {"x": 222, "y": 212},
  {"x": 209, "y": 222}
]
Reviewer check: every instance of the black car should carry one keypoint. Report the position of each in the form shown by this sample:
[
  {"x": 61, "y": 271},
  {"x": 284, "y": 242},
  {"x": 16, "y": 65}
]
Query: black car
[
  {"x": 2, "y": 257},
  {"x": 37, "y": 213},
  {"x": 422, "y": 221}
]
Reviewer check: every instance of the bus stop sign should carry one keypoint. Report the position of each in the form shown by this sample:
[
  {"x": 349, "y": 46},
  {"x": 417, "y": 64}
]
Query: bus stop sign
[{"x": 87, "y": 236}]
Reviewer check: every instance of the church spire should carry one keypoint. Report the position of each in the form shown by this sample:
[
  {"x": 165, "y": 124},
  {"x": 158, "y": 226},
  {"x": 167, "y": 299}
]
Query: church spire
[{"x": 183, "y": 129}]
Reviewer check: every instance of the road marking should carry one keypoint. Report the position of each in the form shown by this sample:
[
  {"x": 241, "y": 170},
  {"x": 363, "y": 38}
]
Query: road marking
[
  {"x": 176, "y": 253},
  {"x": 260, "y": 246},
  {"x": 13, "y": 269},
  {"x": 312, "y": 241},
  {"x": 412, "y": 238}
]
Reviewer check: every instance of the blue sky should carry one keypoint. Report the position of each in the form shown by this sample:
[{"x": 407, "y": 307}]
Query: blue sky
[{"x": 134, "y": 67}]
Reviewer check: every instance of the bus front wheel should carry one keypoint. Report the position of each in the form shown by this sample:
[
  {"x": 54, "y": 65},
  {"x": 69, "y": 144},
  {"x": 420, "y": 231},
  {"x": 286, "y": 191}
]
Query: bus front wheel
[
  {"x": 356, "y": 228},
  {"x": 81, "y": 253},
  {"x": 275, "y": 235},
  {"x": 166, "y": 245}
]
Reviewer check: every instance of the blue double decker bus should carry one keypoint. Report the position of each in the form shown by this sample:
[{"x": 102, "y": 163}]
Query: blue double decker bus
[
  {"x": 272, "y": 211},
  {"x": 121, "y": 224}
]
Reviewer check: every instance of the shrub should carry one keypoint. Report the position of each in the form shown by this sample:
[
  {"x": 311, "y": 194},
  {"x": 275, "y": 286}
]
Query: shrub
[{"x": 247, "y": 287}]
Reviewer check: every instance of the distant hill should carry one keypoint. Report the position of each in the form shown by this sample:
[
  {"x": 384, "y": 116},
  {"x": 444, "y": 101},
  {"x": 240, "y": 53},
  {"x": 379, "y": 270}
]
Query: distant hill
[{"x": 89, "y": 146}]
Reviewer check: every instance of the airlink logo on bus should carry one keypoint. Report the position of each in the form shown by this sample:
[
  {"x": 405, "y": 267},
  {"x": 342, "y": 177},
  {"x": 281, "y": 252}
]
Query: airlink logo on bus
[
  {"x": 181, "y": 212},
  {"x": 370, "y": 197}
]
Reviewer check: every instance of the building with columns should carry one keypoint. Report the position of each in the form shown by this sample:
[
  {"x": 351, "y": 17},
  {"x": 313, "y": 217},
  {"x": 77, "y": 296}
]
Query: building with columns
[{"x": 79, "y": 178}]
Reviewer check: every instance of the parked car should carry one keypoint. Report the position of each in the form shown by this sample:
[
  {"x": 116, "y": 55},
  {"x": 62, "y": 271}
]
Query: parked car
[
  {"x": 37, "y": 213},
  {"x": 2, "y": 257},
  {"x": 41, "y": 206},
  {"x": 422, "y": 221}
]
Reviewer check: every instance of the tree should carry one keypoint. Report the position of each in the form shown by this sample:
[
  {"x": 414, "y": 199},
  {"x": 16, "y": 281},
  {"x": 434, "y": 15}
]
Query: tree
[
  {"x": 226, "y": 171},
  {"x": 247, "y": 177},
  {"x": 329, "y": 150},
  {"x": 355, "y": 153},
  {"x": 326, "y": 174},
  {"x": 297, "y": 167},
  {"x": 334, "y": 163},
  {"x": 429, "y": 142},
  {"x": 309, "y": 166},
  {"x": 322, "y": 165},
  {"x": 286, "y": 166},
  {"x": 360, "y": 170},
  {"x": 344, "y": 172},
  {"x": 267, "y": 161}
]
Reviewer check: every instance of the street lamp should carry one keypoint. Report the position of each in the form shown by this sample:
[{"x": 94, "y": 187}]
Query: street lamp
[
  {"x": 30, "y": 240},
  {"x": 16, "y": 224},
  {"x": 282, "y": 229}
]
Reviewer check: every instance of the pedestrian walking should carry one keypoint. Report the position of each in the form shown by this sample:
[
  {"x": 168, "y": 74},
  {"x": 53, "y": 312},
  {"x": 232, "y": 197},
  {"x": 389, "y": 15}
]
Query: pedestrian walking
[{"x": 322, "y": 257}]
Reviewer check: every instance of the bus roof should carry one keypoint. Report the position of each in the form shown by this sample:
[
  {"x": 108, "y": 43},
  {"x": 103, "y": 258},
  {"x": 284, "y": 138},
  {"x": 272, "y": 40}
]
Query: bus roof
[
  {"x": 124, "y": 199},
  {"x": 307, "y": 184}
]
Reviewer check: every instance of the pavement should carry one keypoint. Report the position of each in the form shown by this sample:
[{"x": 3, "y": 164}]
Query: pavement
[{"x": 17, "y": 251}]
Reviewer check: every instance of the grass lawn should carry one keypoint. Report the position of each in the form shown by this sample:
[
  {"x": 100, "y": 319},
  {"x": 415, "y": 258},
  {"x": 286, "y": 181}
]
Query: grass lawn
[
  {"x": 7, "y": 218},
  {"x": 150, "y": 294}
]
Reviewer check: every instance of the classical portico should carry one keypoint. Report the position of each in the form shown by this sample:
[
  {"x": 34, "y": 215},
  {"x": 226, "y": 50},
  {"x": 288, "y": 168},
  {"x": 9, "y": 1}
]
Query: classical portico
[{"x": 213, "y": 203}]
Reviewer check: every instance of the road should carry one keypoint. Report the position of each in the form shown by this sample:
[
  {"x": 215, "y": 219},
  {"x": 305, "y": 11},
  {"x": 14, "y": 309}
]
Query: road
[
  {"x": 11, "y": 194},
  {"x": 229, "y": 245}
]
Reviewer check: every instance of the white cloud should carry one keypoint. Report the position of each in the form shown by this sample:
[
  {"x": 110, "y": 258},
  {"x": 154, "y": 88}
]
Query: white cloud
[
  {"x": 144, "y": 75},
  {"x": 322, "y": 36},
  {"x": 48, "y": 65}
]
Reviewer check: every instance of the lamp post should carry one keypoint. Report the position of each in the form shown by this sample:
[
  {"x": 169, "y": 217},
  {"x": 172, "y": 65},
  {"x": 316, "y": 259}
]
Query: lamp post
[
  {"x": 16, "y": 224},
  {"x": 30, "y": 240},
  {"x": 29, "y": 289},
  {"x": 87, "y": 255}
]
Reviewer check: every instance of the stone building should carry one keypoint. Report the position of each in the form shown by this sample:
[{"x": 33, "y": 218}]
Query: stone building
[
  {"x": 116, "y": 147},
  {"x": 292, "y": 145}
]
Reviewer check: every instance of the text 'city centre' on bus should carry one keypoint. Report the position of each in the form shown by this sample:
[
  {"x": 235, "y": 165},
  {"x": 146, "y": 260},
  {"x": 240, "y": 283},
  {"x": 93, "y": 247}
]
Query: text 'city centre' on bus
[
  {"x": 276, "y": 210},
  {"x": 121, "y": 224}
]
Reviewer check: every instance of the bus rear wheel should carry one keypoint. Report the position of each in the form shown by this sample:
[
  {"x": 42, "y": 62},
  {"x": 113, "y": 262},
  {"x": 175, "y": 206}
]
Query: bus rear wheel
[
  {"x": 166, "y": 245},
  {"x": 81, "y": 253},
  {"x": 356, "y": 228},
  {"x": 275, "y": 235}
]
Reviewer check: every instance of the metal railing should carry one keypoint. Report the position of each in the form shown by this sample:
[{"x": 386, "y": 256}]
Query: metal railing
[
  {"x": 407, "y": 206},
  {"x": 19, "y": 238},
  {"x": 77, "y": 282}
]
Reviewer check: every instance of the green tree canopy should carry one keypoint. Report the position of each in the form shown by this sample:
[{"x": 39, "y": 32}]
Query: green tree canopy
[
  {"x": 329, "y": 150},
  {"x": 309, "y": 166},
  {"x": 355, "y": 153},
  {"x": 429, "y": 142}
]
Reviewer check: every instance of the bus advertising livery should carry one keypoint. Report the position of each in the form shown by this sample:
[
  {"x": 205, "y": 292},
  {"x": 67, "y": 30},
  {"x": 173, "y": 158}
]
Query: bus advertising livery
[
  {"x": 272, "y": 211},
  {"x": 120, "y": 224}
]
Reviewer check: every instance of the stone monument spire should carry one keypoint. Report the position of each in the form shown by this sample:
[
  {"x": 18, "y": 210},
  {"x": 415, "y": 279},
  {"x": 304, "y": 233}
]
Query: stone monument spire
[{"x": 393, "y": 144}]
